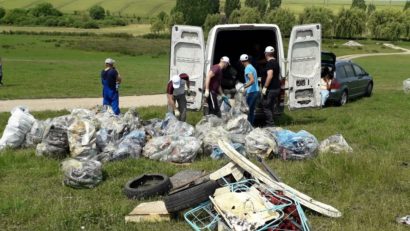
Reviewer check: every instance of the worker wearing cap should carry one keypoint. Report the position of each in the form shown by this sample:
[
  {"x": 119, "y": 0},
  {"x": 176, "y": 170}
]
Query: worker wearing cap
[
  {"x": 176, "y": 94},
  {"x": 213, "y": 86},
  {"x": 271, "y": 86},
  {"x": 251, "y": 86},
  {"x": 111, "y": 79}
]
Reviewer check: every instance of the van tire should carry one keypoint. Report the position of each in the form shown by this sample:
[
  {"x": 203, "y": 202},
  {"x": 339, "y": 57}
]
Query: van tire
[
  {"x": 190, "y": 197},
  {"x": 147, "y": 185}
]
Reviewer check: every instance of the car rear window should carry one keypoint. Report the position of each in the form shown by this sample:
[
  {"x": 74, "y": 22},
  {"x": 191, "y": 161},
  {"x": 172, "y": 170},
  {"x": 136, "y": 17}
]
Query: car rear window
[
  {"x": 340, "y": 73},
  {"x": 349, "y": 70}
]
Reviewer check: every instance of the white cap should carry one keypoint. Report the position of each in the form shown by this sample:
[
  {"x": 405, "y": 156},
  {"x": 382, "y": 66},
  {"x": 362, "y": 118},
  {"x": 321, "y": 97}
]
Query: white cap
[
  {"x": 269, "y": 49},
  {"x": 176, "y": 81},
  {"x": 244, "y": 57},
  {"x": 225, "y": 59},
  {"x": 109, "y": 61}
]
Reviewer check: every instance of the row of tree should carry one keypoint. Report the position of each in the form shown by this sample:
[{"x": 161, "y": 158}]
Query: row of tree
[{"x": 359, "y": 21}]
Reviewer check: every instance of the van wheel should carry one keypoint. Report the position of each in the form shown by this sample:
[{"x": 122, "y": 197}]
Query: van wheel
[
  {"x": 343, "y": 99},
  {"x": 369, "y": 90}
]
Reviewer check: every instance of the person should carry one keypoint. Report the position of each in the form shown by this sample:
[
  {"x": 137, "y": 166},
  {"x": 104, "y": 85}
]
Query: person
[
  {"x": 325, "y": 86},
  {"x": 111, "y": 79},
  {"x": 213, "y": 86},
  {"x": 176, "y": 94},
  {"x": 251, "y": 86},
  {"x": 1, "y": 72},
  {"x": 271, "y": 86}
]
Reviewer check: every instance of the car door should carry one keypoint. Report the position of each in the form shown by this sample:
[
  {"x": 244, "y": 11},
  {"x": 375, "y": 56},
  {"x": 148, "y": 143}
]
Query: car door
[
  {"x": 304, "y": 66},
  {"x": 362, "y": 79},
  {"x": 351, "y": 80},
  {"x": 187, "y": 56}
]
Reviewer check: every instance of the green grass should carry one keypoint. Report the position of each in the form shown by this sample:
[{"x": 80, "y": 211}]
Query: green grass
[{"x": 370, "y": 187}]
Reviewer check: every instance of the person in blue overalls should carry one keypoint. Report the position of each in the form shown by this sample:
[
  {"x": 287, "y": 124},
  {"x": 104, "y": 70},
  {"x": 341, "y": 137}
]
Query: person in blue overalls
[
  {"x": 110, "y": 79},
  {"x": 251, "y": 86}
]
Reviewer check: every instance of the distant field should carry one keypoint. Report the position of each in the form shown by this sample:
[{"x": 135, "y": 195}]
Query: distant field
[{"x": 147, "y": 8}]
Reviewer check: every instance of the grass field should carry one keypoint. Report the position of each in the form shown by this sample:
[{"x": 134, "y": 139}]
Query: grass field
[
  {"x": 40, "y": 66},
  {"x": 370, "y": 187},
  {"x": 147, "y": 8}
]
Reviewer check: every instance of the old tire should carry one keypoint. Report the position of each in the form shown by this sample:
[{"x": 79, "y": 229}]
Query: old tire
[
  {"x": 147, "y": 185},
  {"x": 369, "y": 90},
  {"x": 190, "y": 197}
]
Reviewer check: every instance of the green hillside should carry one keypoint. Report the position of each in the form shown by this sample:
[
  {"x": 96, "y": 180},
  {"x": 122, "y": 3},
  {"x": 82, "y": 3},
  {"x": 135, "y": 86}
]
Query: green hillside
[{"x": 146, "y": 8}]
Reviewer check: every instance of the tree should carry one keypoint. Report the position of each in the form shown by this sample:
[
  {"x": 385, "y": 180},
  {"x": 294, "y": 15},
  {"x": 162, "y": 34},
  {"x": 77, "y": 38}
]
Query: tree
[
  {"x": 273, "y": 4},
  {"x": 210, "y": 21},
  {"x": 160, "y": 23},
  {"x": 213, "y": 6},
  {"x": 2, "y": 12},
  {"x": 176, "y": 18},
  {"x": 261, "y": 5},
  {"x": 245, "y": 15},
  {"x": 231, "y": 5},
  {"x": 371, "y": 8},
  {"x": 407, "y": 24},
  {"x": 45, "y": 9},
  {"x": 284, "y": 18},
  {"x": 97, "y": 12},
  {"x": 406, "y": 6},
  {"x": 350, "y": 23},
  {"x": 387, "y": 24},
  {"x": 321, "y": 15},
  {"x": 361, "y": 4},
  {"x": 194, "y": 12}
]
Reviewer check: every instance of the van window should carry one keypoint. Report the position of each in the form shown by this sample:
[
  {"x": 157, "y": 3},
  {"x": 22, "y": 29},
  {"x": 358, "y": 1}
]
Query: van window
[
  {"x": 340, "y": 73},
  {"x": 349, "y": 70},
  {"x": 358, "y": 70}
]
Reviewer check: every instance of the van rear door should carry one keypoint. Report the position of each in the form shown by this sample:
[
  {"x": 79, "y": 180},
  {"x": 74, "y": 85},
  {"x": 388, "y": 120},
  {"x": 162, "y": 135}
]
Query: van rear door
[
  {"x": 187, "y": 56},
  {"x": 304, "y": 69}
]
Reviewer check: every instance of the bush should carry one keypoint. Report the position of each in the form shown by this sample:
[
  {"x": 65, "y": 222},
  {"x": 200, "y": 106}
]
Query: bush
[
  {"x": 261, "y": 5},
  {"x": 284, "y": 18},
  {"x": 97, "y": 12},
  {"x": 245, "y": 15},
  {"x": 45, "y": 9},
  {"x": 15, "y": 16},
  {"x": 176, "y": 18},
  {"x": 320, "y": 15},
  {"x": 2, "y": 12},
  {"x": 350, "y": 23},
  {"x": 371, "y": 8},
  {"x": 210, "y": 21},
  {"x": 406, "y": 6},
  {"x": 361, "y": 4},
  {"x": 90, "y": 25},
  {"x": 160, "y": 23},
  {"x": 231, "y": 5},
  {"x": 387, "y": 24},
  {"x": 273, "y": 4},
  {"x": 194, "y": 12}
]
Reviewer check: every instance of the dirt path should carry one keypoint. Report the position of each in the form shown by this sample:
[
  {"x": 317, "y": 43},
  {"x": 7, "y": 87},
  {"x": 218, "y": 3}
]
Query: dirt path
[
  {"x": 70, "y": 103},
  {"x": 131, "y": 101}
]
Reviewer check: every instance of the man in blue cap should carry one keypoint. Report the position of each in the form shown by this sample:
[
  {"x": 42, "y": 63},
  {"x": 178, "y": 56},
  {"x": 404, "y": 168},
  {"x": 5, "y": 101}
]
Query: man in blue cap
[{"x": 110, "y": 79}]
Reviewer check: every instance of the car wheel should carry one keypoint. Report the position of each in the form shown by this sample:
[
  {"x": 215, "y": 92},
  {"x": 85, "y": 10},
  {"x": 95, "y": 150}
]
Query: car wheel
[
  {"x": 369, "y": 90},
  {"x": 343, "y": 98}
]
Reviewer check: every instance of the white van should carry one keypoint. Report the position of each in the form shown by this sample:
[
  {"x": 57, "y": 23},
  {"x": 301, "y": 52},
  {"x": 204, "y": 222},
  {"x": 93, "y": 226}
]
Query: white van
[{"x": 302, "y": 67}]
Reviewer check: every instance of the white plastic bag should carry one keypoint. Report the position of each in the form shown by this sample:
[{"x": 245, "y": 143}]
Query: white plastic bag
[
  {"x": 18, "y": 125},
  {"x": 406, "y": 86},
  {"x": 82, "y": 138},
  {"x": 335, "y": 144},
  {"x": 261, "y": 142}
]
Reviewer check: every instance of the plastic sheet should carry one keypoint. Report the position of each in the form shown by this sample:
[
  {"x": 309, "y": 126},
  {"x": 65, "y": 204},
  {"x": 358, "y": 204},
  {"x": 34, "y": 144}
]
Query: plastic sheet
[
  {"x": 55, "y": 139},
  {"x": 239, "y": 125},
  {"x": 296, "y": 146},
  {"x": 18, "y": 125},
  {"x": 335, "y": 144},
  {"x": 130, "y": 146},
  {"x": 177, "y": 149},
  {"x": 172, "y": 126},
  {"x": 217, "y": 152},
  {"x": 205, "y": 124},
  {"x": 35, "y": 136},
  {"x": 261, "y": 142},
  {"x": 82, "y": 138},
  {"x": 82, "y": 173}
]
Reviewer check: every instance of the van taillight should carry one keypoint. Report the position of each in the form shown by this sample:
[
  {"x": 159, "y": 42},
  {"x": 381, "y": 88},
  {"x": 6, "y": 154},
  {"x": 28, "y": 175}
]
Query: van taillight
[{"x": 335, "y": 84}]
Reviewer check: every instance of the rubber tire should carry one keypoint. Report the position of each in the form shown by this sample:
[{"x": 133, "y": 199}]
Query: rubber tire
[
  {"x": 340, "y": 101},
  {"x": 369, "y": 89},
  {"x": 133, "y": 189},
  {"x": 190, "y": 197}
]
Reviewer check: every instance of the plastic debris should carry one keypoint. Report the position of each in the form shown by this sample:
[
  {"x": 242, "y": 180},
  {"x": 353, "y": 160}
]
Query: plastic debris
[
  {"x": 130, "y": 146},
  {"x": 82, "y": 173},
  {"x": 177, "y": 149},
  {"x": 239, "y": 125},
  {"x": 82, "y": 138},
  {"x": 153, "y": 127},
  {"x": 296, "y": 146},
  {"x": 406, "y": 86},
  {"x": 210, "y": 139},
  {"x": 404, "y": 220},
  {"x": 172, "y": 126},
  {"x": 261, "y": 142},
  {"x": 55, "y": 139},
  {"x": 18, "y": 125},
  {"x": 335, "y": 144},
  {"x": 205, "y": 124},
  {"x": 217, "y": 152},
  {"x": 35, "y": 136}
]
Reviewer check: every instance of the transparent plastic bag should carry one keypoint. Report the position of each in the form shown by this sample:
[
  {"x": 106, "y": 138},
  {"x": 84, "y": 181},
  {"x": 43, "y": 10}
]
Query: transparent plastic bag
[
  {"x": 130, "y": 146},
  {"x": 406, "y": 86},
  {"x": 239, "y": 125},
  {"x": 211, "y": 138},
  {"x": 296, "y": 146},
  {"x": 131, "y": 119},
  {"x": 205, "y": 124},
  {"x": 261, "y": 142},
  {"x": 172, "y": 126},
  {"x": 335, "y": 144},
  {"x": 82, "y": 173},
  {"x": 82, "y": 138},
  {"x": 35, "y": 136},
  {"x": 217, "y": 152},
  {"x": 55, "y": 140},
  {"x": 240, "y": 106},
  {"x": 152, "y": 127}
]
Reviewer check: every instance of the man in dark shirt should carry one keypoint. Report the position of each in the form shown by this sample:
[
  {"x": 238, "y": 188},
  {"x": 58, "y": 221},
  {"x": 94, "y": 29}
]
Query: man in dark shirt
[
  {"x": 176, "y": 93},
  {"x": 213, "y": 86},
  {"x": 271, "y": 86},
  {"x": 110, "y": 80}
]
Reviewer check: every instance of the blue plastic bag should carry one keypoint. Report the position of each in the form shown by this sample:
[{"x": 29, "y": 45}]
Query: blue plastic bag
[{"x": 296, "y": 146}]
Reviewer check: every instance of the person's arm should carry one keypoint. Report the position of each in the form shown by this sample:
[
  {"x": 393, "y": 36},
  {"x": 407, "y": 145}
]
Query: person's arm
[
  {"x": 171, "y": 101},
  {"x": 251, "y": 80},
  {"x": 119, "y": 79},
  {"x": 209, "y": 76},
  {"x": 268, "y": 78}
]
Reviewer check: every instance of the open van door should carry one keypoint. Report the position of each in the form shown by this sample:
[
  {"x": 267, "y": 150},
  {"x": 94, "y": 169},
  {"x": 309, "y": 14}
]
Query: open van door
[
  {"x": 304, "y": 67},
  {"x": 187, "y": 56}
]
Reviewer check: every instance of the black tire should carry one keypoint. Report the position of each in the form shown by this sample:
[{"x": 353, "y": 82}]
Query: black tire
[
  {"x": 190, "y": 197},
  {"x": 343, "y": 98},
  {"x": 369, "y": 90},
  {"x": 147, "y": 185}
]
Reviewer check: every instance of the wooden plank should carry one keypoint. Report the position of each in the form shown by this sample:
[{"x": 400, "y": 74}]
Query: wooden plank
[
  {"x": 149, "y": 212},
  {"x": 256, "y": 172}
]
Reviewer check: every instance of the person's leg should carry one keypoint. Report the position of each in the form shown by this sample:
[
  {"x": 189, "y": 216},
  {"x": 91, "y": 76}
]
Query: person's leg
[
  {"x": 182, "y": 107},
  {"x": 268, "y": 106},
  {"x": 251, "y": 101},
  {"x": 213, "y": 105},
  {"x": 276, "y": 101},
  {"x": 1, "y": 79},
  {"x": 115, "y": 103},
  {"x": 324, "y": 95}
]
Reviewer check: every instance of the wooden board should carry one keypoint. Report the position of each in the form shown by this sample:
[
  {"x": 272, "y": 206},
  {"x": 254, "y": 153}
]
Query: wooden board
[
  {"x": 149, "y": 212},
  {"x": 256, "y": 172}
]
